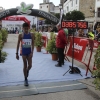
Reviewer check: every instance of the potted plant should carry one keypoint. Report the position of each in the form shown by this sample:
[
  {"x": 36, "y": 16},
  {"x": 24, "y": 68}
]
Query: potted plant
[
  {"x": 2, "y": 54},
  {"x": 38, "y": 41},
  {"x": 32, "y": 30},
  {"x": 96, "y": 72},
  {"x": 51, "y": 47},
  {"x": 1, "y": 43},
  {"x": 4, "y": 35}
]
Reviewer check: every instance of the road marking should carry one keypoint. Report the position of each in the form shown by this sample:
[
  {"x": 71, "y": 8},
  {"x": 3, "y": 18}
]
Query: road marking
[
  {"x": 39, "y": 88},
  {"x": 60, "y": 86}
]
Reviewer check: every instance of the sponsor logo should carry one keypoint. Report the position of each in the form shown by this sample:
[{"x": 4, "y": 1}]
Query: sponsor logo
[
  {"x": 25, "y": 9},
  {"x": 78, "y": 47},
  {"x": 4, "y": 13},
  {"x": 46, "y": 15},
  {"x": 95, "y": 44},
  {"x": 11, "y": 18}
]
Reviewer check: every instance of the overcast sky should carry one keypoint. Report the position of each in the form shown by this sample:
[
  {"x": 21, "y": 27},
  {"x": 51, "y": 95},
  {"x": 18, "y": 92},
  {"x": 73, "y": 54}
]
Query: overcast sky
[{"x": 7, "y": 4}]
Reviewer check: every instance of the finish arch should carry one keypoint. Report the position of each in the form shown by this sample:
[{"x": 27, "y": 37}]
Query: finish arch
[{"x": 33, "y": 12}]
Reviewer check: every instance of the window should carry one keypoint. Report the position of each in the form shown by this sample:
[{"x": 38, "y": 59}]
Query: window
[
  {"x": 67, "y": 8},
  {"x": 72, "y": 3},
  {"x": 76, "y": 1},
  {"x": 98, "y": 12},
  {"x": 64, "y": 11}
]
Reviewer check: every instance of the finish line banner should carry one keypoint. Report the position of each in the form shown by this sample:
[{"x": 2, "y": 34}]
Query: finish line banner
[{"x": 79, "y": 48}]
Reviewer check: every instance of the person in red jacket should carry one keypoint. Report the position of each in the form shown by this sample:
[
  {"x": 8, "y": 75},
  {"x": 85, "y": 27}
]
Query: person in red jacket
[{"x": 61, "y": 41}]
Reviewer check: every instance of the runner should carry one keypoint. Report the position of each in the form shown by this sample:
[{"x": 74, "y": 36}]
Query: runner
[{"x": 27, "y": 40}]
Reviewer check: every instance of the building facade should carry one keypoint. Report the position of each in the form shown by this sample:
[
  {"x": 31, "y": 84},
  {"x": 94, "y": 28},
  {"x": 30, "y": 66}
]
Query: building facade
[
  {"x": 49, "y": 7},
  {"x": 80, "y": 5},
  {"x": 85, "y": 8},
  {"x": 70, "y": 5},
  {"x": 97, "y": 11}
]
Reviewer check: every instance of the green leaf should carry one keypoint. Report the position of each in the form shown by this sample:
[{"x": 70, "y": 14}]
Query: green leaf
[
  {"x": 27, "y": 8},
  {"x": 22, "y": 5},
  {"x": 51, "y": 46}
]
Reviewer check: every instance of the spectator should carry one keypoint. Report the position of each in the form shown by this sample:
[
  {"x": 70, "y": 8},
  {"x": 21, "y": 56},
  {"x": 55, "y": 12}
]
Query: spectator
[
  {"x": 80, "y": 33},
  {"x": 54, "y": 29},
  {"x": 61, "y": 41},
  {"x": 98, "y": 35},
  {"x": 91, "y": 38}
]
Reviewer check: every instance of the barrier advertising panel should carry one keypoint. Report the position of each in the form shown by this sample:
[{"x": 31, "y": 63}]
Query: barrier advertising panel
[
  {"x": 96, "y": 43},
  {"x": 79, "y": 48}
]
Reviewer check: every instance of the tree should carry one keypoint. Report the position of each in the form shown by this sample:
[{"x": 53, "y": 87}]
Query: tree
[
  {"x": 75, "y": 15},
  {"x": 57, "y": 15},
  {"x": 68, "y": 16},
  {"x": 96, "y": 72}
]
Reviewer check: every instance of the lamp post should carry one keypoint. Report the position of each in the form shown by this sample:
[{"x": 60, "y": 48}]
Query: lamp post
[{"x": 60, "y": 7}]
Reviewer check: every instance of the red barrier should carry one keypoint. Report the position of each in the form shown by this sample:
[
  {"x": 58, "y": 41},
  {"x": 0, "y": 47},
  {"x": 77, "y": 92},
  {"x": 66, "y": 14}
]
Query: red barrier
[
  {"x": 79, "y": 50},
  {"x": 96, "y": 44},
  {"x": 44, "y": 40}
]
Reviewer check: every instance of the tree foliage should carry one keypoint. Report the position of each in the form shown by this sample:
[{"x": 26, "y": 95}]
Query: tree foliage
[
  {"x": 96, "y": 72},
  {"x": 68, "y": 16},
  {"x": 75, "y": 15}
]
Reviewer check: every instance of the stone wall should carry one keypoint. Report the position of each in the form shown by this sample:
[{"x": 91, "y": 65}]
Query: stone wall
[{"x": 84, "y": 6}]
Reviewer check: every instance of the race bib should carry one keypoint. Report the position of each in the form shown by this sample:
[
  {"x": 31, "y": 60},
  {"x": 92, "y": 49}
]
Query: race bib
[{"x": 26, "y": 43}]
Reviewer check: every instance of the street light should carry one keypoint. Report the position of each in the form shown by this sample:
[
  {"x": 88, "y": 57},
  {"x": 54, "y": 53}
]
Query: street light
[{"x": 60, "y": 7}]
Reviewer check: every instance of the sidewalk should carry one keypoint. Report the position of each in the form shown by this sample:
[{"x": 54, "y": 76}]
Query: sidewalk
[{"x": 87, "y": 94}]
